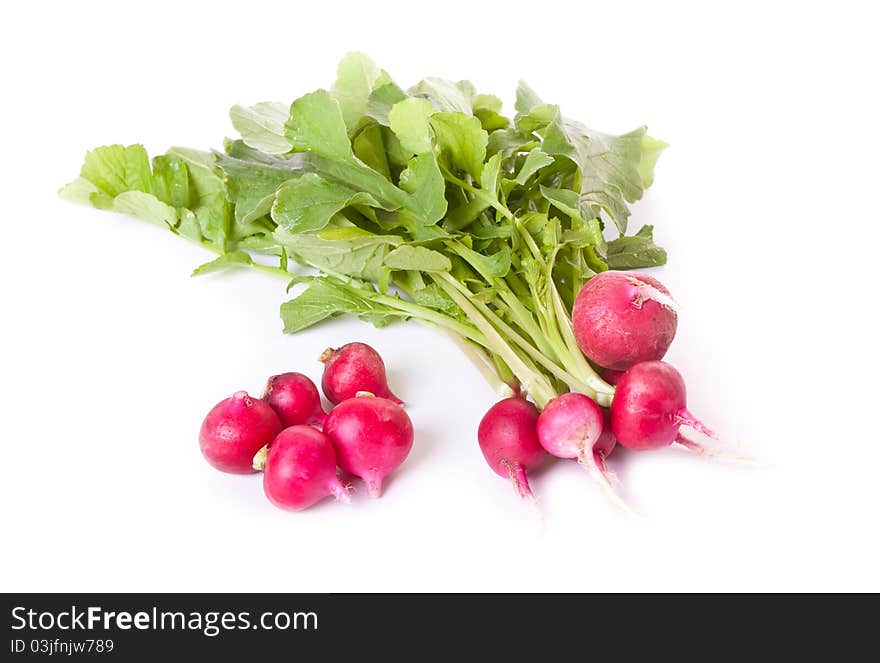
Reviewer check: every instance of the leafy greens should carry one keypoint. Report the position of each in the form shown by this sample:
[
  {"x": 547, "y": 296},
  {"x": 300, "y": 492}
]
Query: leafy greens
[{"x": 424, "y": 204}]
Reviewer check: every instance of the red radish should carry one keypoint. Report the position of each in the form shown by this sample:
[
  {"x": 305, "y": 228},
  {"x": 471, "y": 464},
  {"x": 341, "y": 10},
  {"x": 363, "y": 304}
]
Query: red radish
[
  {"x": 649, "y": 407},
  {"x": 621, "y": 318},
  {"x": 352, "y": 368},
  {"x": 372, "y": 437},
  {"x": 509, "y": 442},
  {"x": 234, "y": 430},
  {"x": 300, "y": 469},
  {"x": 295, "y": 399},
  {"x": 610, "y": 375},
  {"x": 571, "y": 426}
]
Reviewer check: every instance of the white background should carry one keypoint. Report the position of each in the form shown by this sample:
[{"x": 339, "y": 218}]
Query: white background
[{"x": 112, "y": 354}]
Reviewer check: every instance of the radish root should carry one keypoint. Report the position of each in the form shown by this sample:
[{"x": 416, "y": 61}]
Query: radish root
[
  {"x": 648, "y": 292},
  {"x": 587, "y": 460},
  {"x": 709, "y": 451},
  {"x": 686, "y": 418},
  {"x": 340, "y": 492},
  {"x": 520, "y": 481}
]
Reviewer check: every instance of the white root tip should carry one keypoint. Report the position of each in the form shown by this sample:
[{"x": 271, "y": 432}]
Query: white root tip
[
  {"x": 588, "y": 462},
  {"x": 647, "y": 292},
  {"x": 340, "y": 492},
  {"x": 613, "y": 478},
  {"x": 690, "y": 440}
]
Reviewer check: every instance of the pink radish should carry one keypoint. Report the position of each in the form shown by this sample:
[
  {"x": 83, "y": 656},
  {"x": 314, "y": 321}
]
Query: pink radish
[
  {"x": 621, "y": 318},
  {"x": 509, "y": 442},
  {"x": 300, "y": 469},
  {"x": 295, "y": 399},
  {"x": 372, "y": 437},
  {"x": 234, "y": 430},
  {"x": 352, "y": 368},
  {"x": 649, "y": 407},
  {"x": 571, "y": 426}
]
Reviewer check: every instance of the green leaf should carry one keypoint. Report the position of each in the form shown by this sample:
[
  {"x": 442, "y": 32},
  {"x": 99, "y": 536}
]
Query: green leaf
[
  {"x": 227, "y": 260},
  {"x": 207, "y": 193},
  {"x": 651, "y": 149},
  {"x": 461, "y": 140},
  {"x": 635, "y": 251},
  {"x": 526, "y": 98},
  {"x": 465, "y": 214},
  {"x": 182, "y": 191},
  {"x": 487, "y": 102},
  {"x": 535, "y": 160},
  {"x": 316, "y": 125},
  {"x": 486, "y": 232},
  {"x": 145, "y": 206},
  {"x": 490, "y": 267},
  {"x": 357, "y": 253},
  {"x": 593, "y": 261},
  {"x": 490, "y": 174},
  {"x": 417, "y": 258},
  {"x": 356, "y": 77},
  {"x": 264, "y": 244},
  {"x": 544, "y": 229},
  {"x": 79, "y": 190},
  {"x": 262, "y": 126},
  {"x": 324, "y": 299},
  {"x": 409, "y": 120},
  {"x": 382, "y": 100},
  {"x": 536, "y": 119},
  {"x": 565, "y": 200},
  {"x": 446, "y": 96},
  {"x": 490, "y": 119},
  {"x": 431, "y": 296},
  {"x": 114, "y": 169},
  {"x": 532, "y": 114},
  {"x": 507, "y": 142},
  {"x": 424, "y": 182},
  {"x": 187, "y": 226},
  {"x": 398, "y": 156},
  {"x": 171, "y": 180},
  {"x": 309, "y": 202},
  {"x": 253, "y": 178},
  {"x": 609, "y": 165},
  {"x": 369, "y": 147}
]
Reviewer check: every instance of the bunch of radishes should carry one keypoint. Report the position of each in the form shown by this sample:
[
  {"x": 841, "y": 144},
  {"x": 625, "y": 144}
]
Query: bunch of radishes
[
  {"x": 367, "y": 433},
  {"x": 624, "y": 324}
]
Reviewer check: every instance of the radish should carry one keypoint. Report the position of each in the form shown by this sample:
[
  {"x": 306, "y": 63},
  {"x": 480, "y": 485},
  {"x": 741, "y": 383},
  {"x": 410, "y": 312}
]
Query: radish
[
  {"x": 620, "y": 319},
  {"x": 234, "y": 430},
  {"x": 649, "y": 407},
  {"x": 295, "y": 399},
  {"x": 571, "y": 426},
  {"x": 509, "y": 442},
  {"x": 610, "y": 375},
  {"x": 300, "y": 469},
  {"x": 352, "y": 368},
  {"x": 372, "y": 437}
]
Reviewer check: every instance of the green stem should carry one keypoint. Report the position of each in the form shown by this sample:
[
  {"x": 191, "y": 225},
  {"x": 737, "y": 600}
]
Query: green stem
[
  {"x": 549, "y": 315},
  {"x": 478, "y": 356},
  {"x": 573, "y": 382},
  {"x": 480, "y": 194},
  {"x": 533, "y": 382}
]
